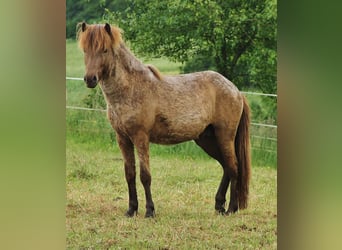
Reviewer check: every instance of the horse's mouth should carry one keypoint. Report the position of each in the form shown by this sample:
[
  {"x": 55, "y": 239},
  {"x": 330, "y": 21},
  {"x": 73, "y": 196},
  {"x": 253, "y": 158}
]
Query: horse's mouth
[{"x": 91, "y": 85}]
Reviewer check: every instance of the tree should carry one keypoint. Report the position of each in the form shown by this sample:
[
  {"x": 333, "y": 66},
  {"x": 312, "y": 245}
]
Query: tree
[
  {"x": 240, "y": 36},
  {"x": 89, "y": 11}
]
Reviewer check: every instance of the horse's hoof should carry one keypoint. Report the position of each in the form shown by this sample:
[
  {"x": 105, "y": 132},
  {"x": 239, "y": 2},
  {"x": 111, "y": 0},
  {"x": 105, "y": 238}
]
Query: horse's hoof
[
  {"x": 231, "y": 211},
  {"x": 150, "y": 214},
  {"x": 130, "y": 212},
  {"x": 220, "y": 210}
]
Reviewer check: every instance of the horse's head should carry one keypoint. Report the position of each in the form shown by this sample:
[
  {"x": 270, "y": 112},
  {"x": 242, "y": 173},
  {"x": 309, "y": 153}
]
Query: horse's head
[{"x": 98, "y": 43}]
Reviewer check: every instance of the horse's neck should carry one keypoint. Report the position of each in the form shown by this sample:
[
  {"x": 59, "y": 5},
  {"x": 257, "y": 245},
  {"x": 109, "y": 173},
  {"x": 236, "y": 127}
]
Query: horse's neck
[
  {"x": 128, "y": 63},
  {"x": 121, "y": 82}
]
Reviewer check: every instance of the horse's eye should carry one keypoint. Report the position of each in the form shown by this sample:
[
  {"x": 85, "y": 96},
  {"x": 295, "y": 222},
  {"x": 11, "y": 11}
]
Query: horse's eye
[{"x": 105, "y": 51}]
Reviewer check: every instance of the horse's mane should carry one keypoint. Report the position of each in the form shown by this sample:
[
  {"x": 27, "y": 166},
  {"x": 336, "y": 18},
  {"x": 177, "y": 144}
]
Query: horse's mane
[
  {"x": 95, "y": 37},
  {"x": 155, "y": 71}
]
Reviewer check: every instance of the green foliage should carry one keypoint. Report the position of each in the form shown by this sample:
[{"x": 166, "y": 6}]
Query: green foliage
[
  {"x": 90, "y": 11},
  {"x": 237, "y": 37},
  {"x": 198, "y": 63},
  {"x": 240, "y": 36},
  {"x": 263, "y": 109},
  {"x": 95, "y": 99}
]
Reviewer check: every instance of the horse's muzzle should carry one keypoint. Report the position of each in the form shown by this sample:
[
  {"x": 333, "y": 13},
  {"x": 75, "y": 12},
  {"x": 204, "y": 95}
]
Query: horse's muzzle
[{"x": 91, "y": 81}]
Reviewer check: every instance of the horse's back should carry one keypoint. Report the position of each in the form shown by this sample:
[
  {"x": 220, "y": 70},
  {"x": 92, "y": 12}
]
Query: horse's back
[
  {"x": 205, "y": 89},
  {"x": 202, "y": 79}
]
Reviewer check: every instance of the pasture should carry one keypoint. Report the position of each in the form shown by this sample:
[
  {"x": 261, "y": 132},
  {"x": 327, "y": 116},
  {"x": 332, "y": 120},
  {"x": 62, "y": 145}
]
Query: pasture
[{"x": 184, "y": 183}]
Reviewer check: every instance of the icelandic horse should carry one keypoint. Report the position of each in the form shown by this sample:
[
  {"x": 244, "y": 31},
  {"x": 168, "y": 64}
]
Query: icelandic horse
[{"x": 144, "y": 106}]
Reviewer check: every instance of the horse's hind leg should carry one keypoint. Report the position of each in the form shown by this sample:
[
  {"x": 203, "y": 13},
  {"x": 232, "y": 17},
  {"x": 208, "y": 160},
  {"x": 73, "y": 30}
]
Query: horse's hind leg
[
  {"x": 208, "y": 142},
  {"x": 225, "y": 138},
  {"x": 127, "y": 150}
]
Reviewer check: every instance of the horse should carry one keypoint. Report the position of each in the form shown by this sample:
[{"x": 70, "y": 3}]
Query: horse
[{"x": 144, "y": 106}]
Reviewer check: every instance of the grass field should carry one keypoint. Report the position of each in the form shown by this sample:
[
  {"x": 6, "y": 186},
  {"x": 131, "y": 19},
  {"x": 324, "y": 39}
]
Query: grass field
[
  {"x": 183, "y": 190},
  {"x": 184, "y": 183}
]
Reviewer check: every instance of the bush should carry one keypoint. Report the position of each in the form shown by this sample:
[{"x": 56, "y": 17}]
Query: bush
[
  {"x": 198, "y": 63},
  {"x": 95, "y": 99}
]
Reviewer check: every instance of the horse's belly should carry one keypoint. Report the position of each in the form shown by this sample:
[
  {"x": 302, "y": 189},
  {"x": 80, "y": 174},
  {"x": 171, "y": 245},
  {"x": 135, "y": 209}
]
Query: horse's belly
[
  {"x": 176, "y": 131},
  {"x": 168, "y": 139}
]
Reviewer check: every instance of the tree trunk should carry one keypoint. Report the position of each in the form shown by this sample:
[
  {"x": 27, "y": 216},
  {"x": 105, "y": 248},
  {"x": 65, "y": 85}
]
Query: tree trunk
[
  {"x": 226, "y": 63},
  {"x": 222, "y": 61}
]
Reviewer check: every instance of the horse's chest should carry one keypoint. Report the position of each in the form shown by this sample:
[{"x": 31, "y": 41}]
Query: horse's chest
[{"x": 126, "y": 119}]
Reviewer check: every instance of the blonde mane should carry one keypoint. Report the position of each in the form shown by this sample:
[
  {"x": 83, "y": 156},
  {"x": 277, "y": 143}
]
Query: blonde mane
[
  {"x": 155, "y": 71},
  {"x": 98, "y": 37},
  {"x": 94, "y": 37}
]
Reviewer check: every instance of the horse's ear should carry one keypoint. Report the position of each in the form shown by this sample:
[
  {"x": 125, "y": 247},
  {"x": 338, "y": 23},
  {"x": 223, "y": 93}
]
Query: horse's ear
[
  {"x": 108, "y": 29},
  {"x": 84, "y": 26}
]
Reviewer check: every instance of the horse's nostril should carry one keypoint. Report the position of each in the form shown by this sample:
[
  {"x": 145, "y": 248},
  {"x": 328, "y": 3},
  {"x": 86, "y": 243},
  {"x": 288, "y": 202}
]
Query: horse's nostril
[{"x": 90, "y": 79}]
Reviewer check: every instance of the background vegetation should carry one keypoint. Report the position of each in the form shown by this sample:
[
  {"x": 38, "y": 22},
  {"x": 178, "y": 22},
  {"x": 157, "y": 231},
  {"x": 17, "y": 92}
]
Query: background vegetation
[{"x": 237, "y": 38}]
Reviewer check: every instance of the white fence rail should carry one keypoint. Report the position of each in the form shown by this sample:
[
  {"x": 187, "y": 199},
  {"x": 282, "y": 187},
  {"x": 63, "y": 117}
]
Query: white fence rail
[
  {"x": 256, "y": 93},
  {"x": 82, "y": 108}
]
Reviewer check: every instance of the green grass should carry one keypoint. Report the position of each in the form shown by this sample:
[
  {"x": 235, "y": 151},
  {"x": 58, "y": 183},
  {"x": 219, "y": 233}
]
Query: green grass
[
  {"x": 183, "y": 191},
  {"x": 74, "y": 59}
]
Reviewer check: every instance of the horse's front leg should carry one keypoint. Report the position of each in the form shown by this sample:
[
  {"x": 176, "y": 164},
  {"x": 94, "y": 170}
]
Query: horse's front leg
[
  {"x": 127, "y": 150},
  {"x": 141, "y": 142}
]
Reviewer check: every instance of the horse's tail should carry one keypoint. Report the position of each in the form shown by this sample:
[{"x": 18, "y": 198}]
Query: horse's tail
[{"x": 242, "y": 149}]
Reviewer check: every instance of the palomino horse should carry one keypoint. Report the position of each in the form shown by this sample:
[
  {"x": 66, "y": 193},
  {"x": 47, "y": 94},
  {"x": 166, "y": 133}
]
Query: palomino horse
[{"x": 144, "y": 106}]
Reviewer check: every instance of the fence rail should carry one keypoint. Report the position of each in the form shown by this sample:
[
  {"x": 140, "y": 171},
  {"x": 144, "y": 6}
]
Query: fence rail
[
  {"x": 82, "y": 108},
  {"x": 74, "y": 78},
  {"x": 257, "y": 93},
  {"x": 103, "y": 110}
]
